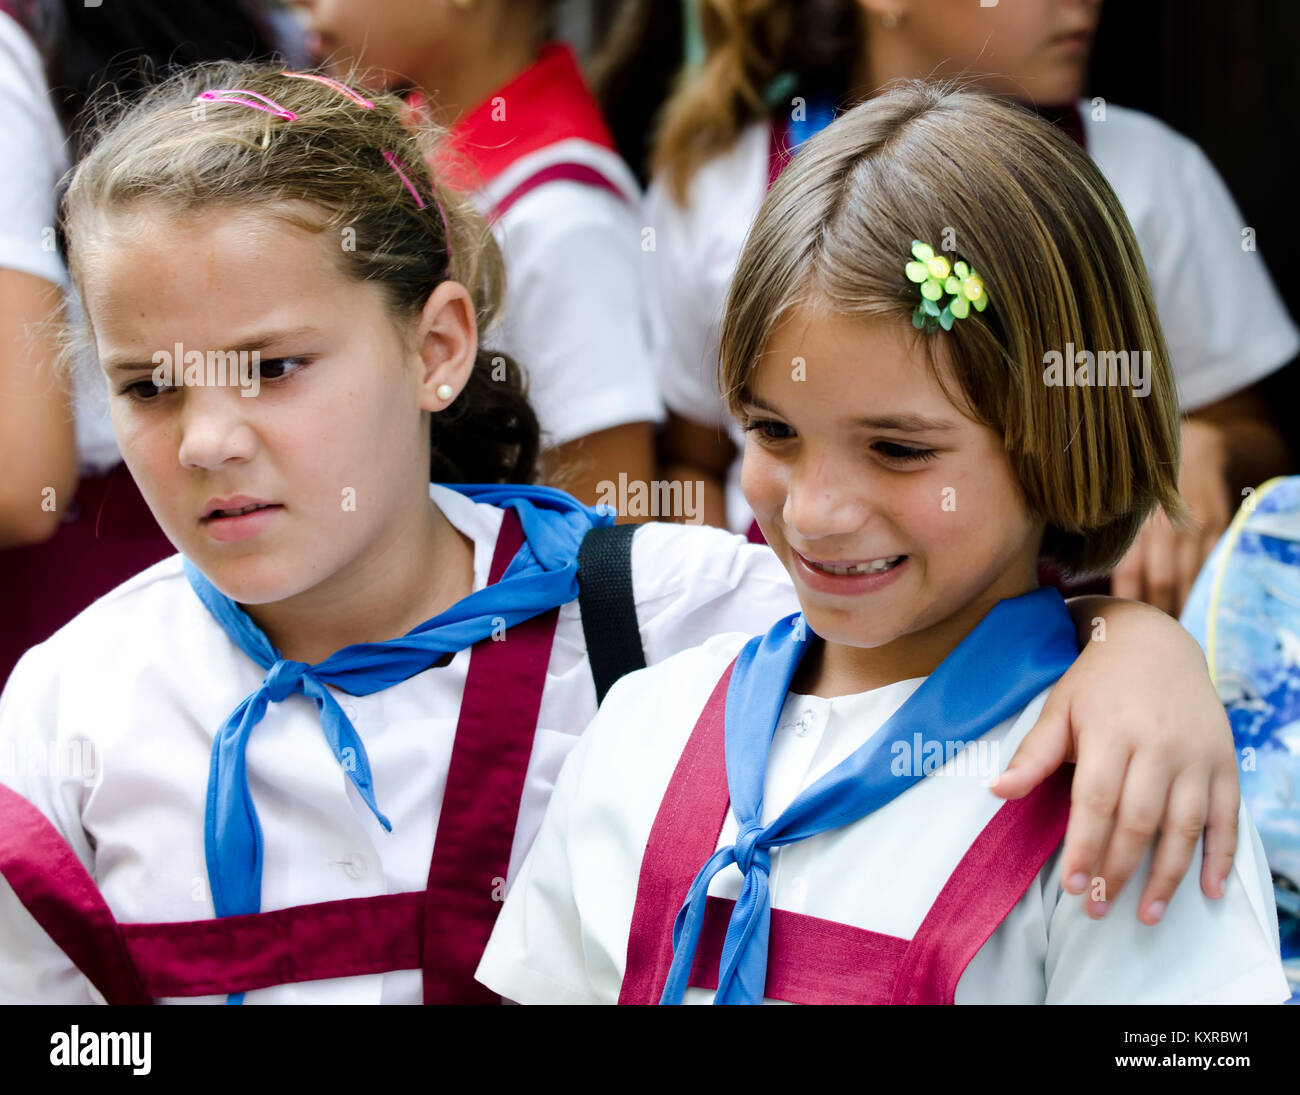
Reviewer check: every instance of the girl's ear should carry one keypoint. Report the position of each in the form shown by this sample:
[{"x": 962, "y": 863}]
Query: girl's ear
[{"x": 447, "y": 344}]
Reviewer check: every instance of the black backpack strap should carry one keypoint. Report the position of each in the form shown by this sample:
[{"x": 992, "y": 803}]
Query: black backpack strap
[{"x": 608, "y": 606}]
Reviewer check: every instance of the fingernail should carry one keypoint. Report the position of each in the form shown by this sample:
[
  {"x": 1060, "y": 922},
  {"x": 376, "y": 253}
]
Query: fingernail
[
  {"x": 1077, "y": 882},
  {"x": 1097, "y": 909},
  {"x": 1156, "y": 911}
]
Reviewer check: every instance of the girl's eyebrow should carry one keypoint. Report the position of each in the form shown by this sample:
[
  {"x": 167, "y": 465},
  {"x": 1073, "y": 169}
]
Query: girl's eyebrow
[
  {"x": 901, "y": 423},
  {"x": 254, "y": 342}
]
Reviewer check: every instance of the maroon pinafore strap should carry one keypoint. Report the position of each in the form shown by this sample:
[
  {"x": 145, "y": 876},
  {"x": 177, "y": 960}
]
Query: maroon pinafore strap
[
  {"x": 480, "y": 807},
  {"x": 992, "y": 876},
  {"x": 812, "y": 960},
  {"x": 442, "y": 930},
  {"x": 779, "y": 152},
  {"x": 55, "y": 888}
]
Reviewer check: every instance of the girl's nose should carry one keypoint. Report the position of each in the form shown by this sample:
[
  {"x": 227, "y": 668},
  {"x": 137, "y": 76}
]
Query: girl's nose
[
  {"x": 823, "y": 499},
  {"x": 214, "y": 428}
]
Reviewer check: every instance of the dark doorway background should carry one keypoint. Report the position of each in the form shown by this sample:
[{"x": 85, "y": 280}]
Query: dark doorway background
[{"x": 1226, "y": 75}]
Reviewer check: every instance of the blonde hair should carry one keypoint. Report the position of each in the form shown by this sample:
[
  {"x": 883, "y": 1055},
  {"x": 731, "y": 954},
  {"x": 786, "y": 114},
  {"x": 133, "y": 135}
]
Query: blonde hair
[
  {"x": 177, "y": 153},
  {"x": 1031, "y": 212},
  {"x": 748, "y": 44}
]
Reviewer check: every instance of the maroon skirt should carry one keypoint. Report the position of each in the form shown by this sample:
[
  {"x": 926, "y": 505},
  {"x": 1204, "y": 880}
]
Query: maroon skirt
[{"x": 109, "y": 536}]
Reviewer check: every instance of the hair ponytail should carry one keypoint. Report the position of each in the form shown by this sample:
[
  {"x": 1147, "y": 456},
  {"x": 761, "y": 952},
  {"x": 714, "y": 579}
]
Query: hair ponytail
[
  {"x": 748, "y": 44},
  {"x": 490, "y": 433}
]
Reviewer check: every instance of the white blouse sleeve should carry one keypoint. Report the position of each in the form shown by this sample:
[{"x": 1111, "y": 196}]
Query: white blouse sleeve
[
  {"x": 52, "y": 774},
  {"x": 1222, "y": 317},
  {"x": 535, "y": 954},
  {"x": 31, "y": 149},
  {"x": 685, "y": 309},
  {"x": 1203, "y": 951},
  {"x": 692, "y": 582},
  {"x": 574, "y": 315}
]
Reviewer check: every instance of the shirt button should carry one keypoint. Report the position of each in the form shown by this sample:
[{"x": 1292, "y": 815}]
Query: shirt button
[
  {"x": 350, "y": 711},
  {"x": 354, "y": 866},
  {"x": 798, "y": 891}
]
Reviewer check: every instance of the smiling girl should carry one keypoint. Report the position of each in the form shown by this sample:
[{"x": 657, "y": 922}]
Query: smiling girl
[{"x": 794, "y": 816}]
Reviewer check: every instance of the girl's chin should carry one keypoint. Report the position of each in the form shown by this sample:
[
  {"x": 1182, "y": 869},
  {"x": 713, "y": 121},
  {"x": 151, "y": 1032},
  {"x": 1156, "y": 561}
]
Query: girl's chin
[
  {"x": 836, "y": 628},
  {"x": 245, "y": 587}
]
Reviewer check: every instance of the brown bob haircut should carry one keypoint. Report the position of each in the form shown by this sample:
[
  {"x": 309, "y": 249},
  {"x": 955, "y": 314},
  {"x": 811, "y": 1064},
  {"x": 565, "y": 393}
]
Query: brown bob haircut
[{"x": 1033, "y": 215}]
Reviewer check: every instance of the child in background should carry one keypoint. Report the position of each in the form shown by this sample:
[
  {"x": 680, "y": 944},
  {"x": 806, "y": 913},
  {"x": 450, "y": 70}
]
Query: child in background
[
  {"x": 722, "y": 142},
  {"x": 803, "y": 816},
  {"x": 237, "y": 733},
  {"x": 528, "y": 142}
]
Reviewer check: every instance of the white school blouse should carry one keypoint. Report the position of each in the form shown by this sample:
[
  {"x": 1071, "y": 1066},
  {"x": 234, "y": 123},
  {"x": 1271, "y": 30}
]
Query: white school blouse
[
  {"x": 562, "y": 935},
  {"x": 1187, "y": 225},
  {"x": 107, "y": 727}
]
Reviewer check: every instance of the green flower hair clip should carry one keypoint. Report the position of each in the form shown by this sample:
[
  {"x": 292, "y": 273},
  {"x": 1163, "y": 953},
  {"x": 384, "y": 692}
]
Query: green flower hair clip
[{"x": 936, "y": 277}]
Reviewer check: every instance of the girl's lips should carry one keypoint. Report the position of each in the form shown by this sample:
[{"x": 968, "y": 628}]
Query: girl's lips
[
  {"x": 845, "y": 584},
  {"x": 241, "y": 527},
  {"x": 1077, "y": 41}
]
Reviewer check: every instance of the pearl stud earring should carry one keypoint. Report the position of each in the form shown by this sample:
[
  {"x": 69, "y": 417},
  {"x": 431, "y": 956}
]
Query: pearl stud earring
[{"x": 444, "y": 391}]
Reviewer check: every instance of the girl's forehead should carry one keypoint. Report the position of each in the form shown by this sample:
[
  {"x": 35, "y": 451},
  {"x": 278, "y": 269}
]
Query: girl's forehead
[
  {"x": 147, "y": 244},
  {"x": 261, "y": 227},
  {"x": 157, "y": 274},
  {"x": 852, "y": 366}
]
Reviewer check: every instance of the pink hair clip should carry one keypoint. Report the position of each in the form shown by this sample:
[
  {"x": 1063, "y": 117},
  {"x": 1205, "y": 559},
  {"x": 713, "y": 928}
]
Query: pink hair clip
[
  {"x": 365, "y": 104},
  {"x": 341, "y": 88},
  {"x": 397, "y": 166},
  {"x": 228, "y": 95}
]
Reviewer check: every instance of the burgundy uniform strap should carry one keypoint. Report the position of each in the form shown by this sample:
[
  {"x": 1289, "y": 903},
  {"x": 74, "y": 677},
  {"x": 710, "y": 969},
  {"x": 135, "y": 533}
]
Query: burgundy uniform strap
[
  {"x": 992, "y": 876},
  {"x": 50, "y": 881},
  {"x": 480, "y": 807},
  {"x": 684, "y": 835}
]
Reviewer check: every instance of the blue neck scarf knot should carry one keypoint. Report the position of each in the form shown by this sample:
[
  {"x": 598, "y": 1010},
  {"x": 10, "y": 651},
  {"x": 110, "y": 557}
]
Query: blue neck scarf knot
[
  {"x": 284, "y": 678},
  {"x": 542, "y": 575}
]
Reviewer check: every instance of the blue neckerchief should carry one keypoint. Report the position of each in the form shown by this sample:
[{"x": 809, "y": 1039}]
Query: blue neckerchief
[
  {"x": 542, "y": 576},
  {"x": 818, "y": 113},
  {"x": 1019, "y": 648}
]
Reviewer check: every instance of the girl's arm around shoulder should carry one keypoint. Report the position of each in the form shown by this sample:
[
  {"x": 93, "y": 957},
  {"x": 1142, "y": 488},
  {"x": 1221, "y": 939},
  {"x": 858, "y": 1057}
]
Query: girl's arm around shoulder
[{"x": 1139, "y": 716}]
